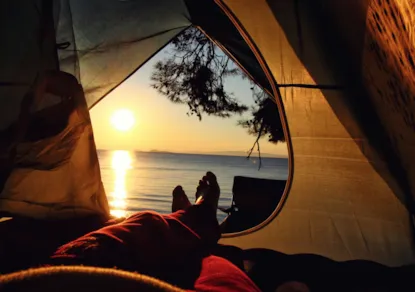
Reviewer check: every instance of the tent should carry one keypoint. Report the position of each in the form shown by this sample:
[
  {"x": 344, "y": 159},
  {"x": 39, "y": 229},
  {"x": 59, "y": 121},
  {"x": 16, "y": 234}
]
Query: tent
[{"x": 341, "y": 72}]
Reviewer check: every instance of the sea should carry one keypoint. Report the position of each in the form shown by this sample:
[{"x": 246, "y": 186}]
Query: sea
[{"x": 136, "y": 181}]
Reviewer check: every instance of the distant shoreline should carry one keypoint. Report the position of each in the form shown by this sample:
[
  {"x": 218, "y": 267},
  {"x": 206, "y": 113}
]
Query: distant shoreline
[{"x": 219, "y": 153}]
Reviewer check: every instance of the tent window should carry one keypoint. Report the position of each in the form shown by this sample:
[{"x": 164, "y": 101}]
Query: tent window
[{"x": 188, "y": 110}]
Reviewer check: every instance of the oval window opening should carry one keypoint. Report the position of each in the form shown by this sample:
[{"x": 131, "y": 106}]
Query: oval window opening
[{"x": 190, "y": 109}]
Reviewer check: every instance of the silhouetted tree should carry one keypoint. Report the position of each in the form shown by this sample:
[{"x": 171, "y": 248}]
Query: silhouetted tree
[
  {"x": 264, "y": 121},
  {"x": 194, "y": 74}
]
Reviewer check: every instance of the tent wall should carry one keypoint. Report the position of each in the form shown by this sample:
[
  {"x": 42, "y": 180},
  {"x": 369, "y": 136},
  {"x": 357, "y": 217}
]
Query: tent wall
[
  {"x": 100, "y": 42},
  {"x": 389, "y": 73},
  {"x": 27, "y": 47},
  {"x": 109, "y": 40},
  {"x": 55, "y": 173},
  {"x": 338, "y": 204},
  {"x": 381, "y": 40}
]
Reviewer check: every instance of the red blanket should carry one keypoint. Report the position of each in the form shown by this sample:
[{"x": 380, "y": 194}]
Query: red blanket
[{"x": 175, "y": 248}]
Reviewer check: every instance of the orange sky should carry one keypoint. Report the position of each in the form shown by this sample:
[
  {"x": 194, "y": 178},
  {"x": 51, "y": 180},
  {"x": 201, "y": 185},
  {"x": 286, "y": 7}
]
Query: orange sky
[{"x": 164, "y": 126}]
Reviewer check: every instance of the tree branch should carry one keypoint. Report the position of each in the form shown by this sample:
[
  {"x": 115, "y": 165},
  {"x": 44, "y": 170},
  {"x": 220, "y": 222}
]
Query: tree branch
[{"x": 257, "y": 144}]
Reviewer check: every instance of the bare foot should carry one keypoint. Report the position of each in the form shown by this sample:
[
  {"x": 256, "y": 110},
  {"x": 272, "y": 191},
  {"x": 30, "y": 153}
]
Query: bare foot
[
  {"x": 180, "y": 200},
  {"x": 208, "y": 191}
]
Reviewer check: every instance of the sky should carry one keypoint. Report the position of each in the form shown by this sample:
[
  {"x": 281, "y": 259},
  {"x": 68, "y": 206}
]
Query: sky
[{"x": 164, "y": 126}]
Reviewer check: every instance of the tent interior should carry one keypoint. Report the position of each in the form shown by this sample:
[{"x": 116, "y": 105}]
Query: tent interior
[{"x": 341, "y": 72}]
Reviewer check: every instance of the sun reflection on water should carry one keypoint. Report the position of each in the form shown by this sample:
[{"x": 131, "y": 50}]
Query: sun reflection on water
[{"x": 121, "y": 163}]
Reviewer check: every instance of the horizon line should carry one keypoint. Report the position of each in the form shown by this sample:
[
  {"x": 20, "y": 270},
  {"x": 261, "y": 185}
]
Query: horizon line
[{"x": 219, "y": 153}]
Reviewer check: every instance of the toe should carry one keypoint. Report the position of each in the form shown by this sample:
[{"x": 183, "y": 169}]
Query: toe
[
  {"x": 203, "y": 183},
  {"x": 210, "y": 175},
  {"x": 178, "y": 191},
  {"x": 211, "y": 178},
  {"x": 180, "y": 199}
]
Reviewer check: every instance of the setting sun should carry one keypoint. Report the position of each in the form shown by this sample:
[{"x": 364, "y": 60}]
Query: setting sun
[{"x": 123, "y": 119}]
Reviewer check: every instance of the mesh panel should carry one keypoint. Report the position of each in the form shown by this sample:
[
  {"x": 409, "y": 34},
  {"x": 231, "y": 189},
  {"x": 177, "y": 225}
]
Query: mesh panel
[
  {"x": 27, "y": 47},
  {"x": 103, "y": 42}
]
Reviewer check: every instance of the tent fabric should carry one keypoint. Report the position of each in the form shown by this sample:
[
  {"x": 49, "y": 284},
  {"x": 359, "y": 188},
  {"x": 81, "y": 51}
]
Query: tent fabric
[
  {"x": 92, "y": 39},
  {"x": 107, "y": 40},
  {"x": 339, "y": 204},
  {"x": 27, "y": 47},
  {"x": 56, "y": 175},
  {"x": 389, "y": 56},
  {"x": 363, "y": 44}
]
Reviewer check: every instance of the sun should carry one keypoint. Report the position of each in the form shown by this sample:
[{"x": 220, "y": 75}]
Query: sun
[{"x": 123, "y": 120}]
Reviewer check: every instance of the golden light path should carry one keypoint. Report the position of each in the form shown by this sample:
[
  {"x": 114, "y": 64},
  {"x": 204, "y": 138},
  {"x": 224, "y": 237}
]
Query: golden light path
[{"x": 121, "y": 163}]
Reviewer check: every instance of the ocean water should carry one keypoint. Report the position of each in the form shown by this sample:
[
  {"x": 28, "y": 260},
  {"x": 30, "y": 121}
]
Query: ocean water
[{"x": 137, "y": 181}]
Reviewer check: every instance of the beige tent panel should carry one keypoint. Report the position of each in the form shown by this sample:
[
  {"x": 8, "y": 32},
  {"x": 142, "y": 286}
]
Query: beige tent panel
[
  {"x": 389, "y": 72},
  {"x": 338, "y": 205}
]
